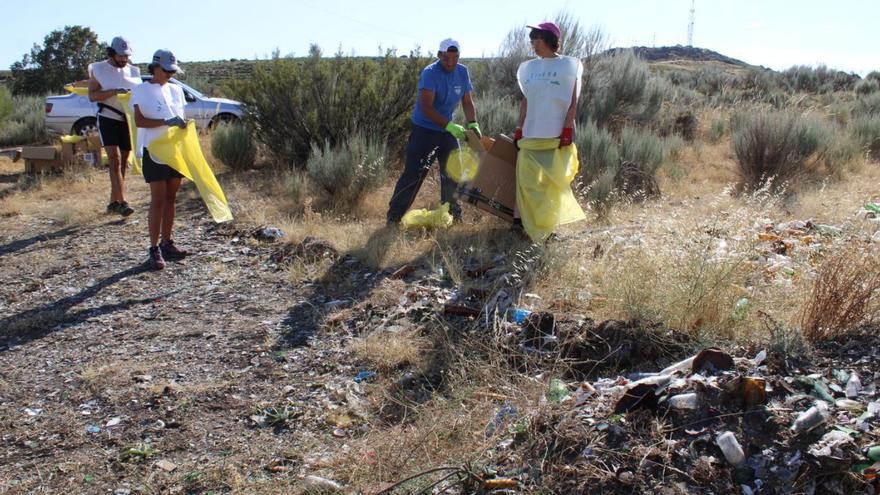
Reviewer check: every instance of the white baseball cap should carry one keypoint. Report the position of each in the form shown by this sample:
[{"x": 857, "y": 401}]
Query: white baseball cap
[
  {"x": 448, "y": 43},
  {"x": 120, "y": 46}
]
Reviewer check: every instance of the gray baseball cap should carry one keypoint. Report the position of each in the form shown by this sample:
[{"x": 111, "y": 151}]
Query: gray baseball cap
[
  {"x": 166, "y": 60},
  {"x": 120, "y": 46}
]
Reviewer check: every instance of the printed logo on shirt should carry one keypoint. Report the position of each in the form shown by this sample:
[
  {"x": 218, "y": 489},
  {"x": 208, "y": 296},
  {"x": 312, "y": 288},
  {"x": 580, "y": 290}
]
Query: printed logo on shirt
[
  {"x": 550, "y": 76},
  {"x": 457, "y": 90}
]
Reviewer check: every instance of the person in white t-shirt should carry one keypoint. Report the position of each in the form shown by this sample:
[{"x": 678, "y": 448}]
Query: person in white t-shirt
[
  {"x": 158, "y": 104},
  {"x": 550, "y": 85},
  {"x": 107, "y": 79}
]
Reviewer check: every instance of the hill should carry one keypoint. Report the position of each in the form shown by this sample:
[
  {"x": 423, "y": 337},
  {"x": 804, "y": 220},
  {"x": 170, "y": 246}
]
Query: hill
[{"x": 678, "y": 52}]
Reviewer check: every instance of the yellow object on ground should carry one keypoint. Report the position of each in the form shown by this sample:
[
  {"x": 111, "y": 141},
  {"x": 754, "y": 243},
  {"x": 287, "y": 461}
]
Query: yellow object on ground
[
  {"x": 180, "y": 149},
  {"x": 543, "y": 186},
  {"x": 428, "y": 219}
]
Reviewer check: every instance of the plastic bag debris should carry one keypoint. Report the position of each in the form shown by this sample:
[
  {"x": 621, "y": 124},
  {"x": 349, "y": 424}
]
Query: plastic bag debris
[{"x": 427, "y": 219}]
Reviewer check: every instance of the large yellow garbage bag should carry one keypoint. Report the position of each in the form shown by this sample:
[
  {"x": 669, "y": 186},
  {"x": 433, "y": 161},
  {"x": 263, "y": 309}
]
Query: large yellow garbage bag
[
  {"x": 133, "y": 159},
  {"x": 543, "y": 186},
  {"x": 428, "y": 219},
  {"x": 180, "y": 149}
]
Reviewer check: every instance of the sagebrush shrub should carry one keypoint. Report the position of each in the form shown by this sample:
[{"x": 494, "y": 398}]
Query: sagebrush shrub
[
  {"x": 621, "y": 90},
  {"x": 233, "y": 144},
  {"x": 6, "y": 105},
  {"x": 497, "y": 114},
  {"x": 26, "y": 124},
  {"x": 772, "y": 148},
  {"x": 866, "y": 131},
  {"x": 344, "y": 173},
  {"x": 298, "y": 104},
  {"x": 599, "y": 160},
  {"x": 867, "y": 86}
]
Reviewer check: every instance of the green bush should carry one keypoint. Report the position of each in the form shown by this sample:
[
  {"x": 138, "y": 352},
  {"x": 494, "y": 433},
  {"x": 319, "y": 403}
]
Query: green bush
[
  {"x": 866, "y": 132},
  {"x": 295, "y": 105},
  {"x": 867, "y": 86},
  {"x": 821, "y": 79},
  {"x": 26, "y": 124},
  {"x": 6, "y": 104},
  {"x": 867, "y": 105},
  {"x": 717, "y": 129},
  {"x": 621, "y": 91},
  {"x": 233, "y": 144},
  {"x": 772, "y": 148},
  {"x": 343, "y": 174},
  {"x": 496, "y": 114},
  {"x": 293, "y": 184},
  {"x": 599, "y": 159},
  {"x": 642, "y": 148}
]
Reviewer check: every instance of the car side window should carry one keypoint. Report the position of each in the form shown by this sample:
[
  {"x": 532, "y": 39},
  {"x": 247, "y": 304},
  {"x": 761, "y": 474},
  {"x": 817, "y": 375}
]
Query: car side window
[{"x": 188, "y": 97}]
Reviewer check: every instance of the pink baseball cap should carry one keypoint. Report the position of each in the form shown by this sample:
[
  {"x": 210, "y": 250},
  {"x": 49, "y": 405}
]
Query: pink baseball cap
[{"x": 547, "y": 26}]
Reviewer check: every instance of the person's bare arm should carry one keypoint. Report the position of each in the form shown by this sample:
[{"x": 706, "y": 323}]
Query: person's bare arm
[
  {"x": 98, "y": 94},
  {"x": 572, "y": 109},
  {"x": 467, "y": 104},
  {"x": 523, "y": 107},
  {"x": 426, "y": 98},
  {"x": 141, "y": 121}
]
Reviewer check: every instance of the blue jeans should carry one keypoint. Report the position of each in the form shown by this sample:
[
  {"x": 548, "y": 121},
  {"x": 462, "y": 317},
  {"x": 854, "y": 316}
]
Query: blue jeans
[{"x": 424, "y": 146}]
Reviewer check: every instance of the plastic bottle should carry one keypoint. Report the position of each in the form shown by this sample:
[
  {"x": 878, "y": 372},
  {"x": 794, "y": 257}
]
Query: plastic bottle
[
  {"x": 731, "y": 449},
  {"x": 518, "y": 315},
  {"x": 853, "y": 386},
  {"x": 684, "y": 401},
  {"x": 811, "y": 418}
]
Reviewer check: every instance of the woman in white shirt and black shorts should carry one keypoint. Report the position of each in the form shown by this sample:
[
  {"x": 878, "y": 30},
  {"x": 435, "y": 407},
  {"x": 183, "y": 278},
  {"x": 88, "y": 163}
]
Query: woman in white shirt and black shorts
[{"x": 158, "y": 105}]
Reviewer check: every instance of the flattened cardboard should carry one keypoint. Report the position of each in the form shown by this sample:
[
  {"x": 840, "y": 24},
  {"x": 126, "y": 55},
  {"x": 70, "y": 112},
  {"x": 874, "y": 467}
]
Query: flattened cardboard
[{"x": 493, "y": 189}]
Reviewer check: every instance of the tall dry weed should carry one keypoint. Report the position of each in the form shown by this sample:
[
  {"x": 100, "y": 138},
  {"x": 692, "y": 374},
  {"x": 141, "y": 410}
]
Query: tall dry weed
[{"x": 845, "y": 295}]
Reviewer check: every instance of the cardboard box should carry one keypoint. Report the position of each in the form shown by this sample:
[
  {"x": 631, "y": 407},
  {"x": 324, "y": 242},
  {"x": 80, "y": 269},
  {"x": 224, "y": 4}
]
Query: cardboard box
[
  {"x": 42, "y": 159},
  {"x": 93, "y": 142},
  {"x": 493, "y": 189},
  {"x": 72, "y": 153}
]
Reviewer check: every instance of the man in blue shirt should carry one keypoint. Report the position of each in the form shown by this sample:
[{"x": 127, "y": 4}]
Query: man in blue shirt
[{"x": 442, "y": 86}]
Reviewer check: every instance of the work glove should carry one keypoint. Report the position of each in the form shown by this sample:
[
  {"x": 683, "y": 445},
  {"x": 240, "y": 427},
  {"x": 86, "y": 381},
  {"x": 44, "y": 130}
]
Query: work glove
[
  {"x": 175, "y": 121},
  {"x": 456, "y": 130},
  {"x": 474, "y": 126},
  {"x": 565, "y": 137}
]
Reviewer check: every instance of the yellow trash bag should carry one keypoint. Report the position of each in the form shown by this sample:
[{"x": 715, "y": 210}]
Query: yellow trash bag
[
  {"x": 133, "y": 159},
  {"x": 72, "y": 139},
  {"x": 462, "y": 164},
  {"x": 124, "y": 99},
  {"x": 180, "y": 149},
  {"x": 543, "y": 186},
  {"x": 427, "y": 219}
]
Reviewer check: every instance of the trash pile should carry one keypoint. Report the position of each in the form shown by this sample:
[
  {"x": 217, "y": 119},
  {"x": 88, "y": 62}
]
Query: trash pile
[{"x": 711, "y": 423}]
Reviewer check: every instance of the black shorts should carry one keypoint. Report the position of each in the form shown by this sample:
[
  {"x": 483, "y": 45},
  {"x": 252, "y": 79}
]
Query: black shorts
[
  {"x": 155, "y": 172},
  {"x": 114, "y": 133}
]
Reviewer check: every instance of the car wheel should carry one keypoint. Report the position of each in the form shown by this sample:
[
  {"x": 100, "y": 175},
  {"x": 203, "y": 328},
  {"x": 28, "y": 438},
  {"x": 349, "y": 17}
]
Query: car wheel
[
  {"x": 224, "y": 118},
  {"x": 85, "y": 126}
]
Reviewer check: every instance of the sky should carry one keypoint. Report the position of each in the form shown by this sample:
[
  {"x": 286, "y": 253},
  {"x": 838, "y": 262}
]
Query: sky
[{"x": 774, "y": 33}]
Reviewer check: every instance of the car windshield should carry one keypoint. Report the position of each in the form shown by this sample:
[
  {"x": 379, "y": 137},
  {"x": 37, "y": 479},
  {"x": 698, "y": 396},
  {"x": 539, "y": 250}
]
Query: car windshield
[{"x": 188, "y": 89}]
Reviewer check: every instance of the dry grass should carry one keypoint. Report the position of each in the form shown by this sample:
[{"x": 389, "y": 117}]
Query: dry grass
[
  {"x": 388, "y": 351},
  {"x": 845, "y": 295}
]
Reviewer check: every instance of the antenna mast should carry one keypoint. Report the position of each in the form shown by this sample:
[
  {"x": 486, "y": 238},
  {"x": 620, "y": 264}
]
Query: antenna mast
[{"x": 691, "y": 26}]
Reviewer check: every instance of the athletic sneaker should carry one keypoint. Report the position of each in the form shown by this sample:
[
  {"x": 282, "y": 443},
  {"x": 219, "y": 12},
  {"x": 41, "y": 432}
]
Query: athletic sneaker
[
  {"x": 156, "y": 261},
  {"x": 123, "y": 209},
  {"x": 171, "y": 252}
]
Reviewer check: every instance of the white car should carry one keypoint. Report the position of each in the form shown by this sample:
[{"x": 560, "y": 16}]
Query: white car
[{"x": 75, "y": 114}]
